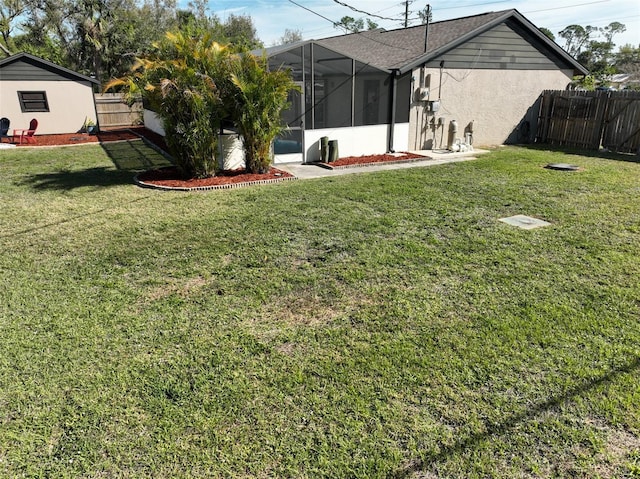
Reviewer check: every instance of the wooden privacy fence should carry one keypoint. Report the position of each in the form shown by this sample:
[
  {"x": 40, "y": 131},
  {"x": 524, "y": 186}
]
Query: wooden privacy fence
[
  {"x": 113, "y": 111},
  {"x": 590, "y": 119}
]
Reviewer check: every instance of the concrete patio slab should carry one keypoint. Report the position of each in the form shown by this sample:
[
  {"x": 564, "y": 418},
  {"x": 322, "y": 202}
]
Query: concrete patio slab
[{"x": 307, "y": 171}]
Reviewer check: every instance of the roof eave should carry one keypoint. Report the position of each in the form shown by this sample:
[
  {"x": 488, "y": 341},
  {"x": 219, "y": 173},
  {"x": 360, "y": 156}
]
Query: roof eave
[
  {"x": 60, "y": 68},
  {"x": 276, "y": 49}
]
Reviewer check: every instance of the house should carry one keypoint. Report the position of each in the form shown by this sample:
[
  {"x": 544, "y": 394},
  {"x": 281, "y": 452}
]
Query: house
[
  {"x": 60, "y": 99},
  {"x": 469, "y": 80},
  {"x": 622, "y": 81}
]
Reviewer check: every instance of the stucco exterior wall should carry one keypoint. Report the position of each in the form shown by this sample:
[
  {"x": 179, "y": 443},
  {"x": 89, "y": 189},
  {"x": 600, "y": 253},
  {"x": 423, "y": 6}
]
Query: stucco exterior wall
[
  {"x": 497, "y": 101},
  {"x": 70, "y": 103},
  {"x": 357, "y": 141}
]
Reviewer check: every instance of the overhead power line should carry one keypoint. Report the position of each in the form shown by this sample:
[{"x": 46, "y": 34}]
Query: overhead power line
[
  {"x": 365, "y": 13},
  {"x": 315, "y": 13},
  {"x": 473, "y": 5},
  {"x": 568, "y": 6}
]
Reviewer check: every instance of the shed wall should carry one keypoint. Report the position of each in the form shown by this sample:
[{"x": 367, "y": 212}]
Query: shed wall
[{"x": 70, "y": 102}]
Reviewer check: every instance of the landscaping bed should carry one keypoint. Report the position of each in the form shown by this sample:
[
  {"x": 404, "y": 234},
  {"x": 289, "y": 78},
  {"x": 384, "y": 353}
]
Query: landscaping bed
[
  {"x": 169, "y": 178},
  {"x": 364, "y": 160}
]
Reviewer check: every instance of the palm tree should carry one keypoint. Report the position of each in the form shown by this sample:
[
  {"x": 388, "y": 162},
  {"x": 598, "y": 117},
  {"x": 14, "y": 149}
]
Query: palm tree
[
  {"x": 257, "y": 101},
  {"x": 182, "y": 83},
  {"x": 194, "y": 84}
]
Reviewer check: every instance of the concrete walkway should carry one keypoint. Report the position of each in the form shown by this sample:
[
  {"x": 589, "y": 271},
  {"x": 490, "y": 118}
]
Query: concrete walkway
[{"x": 306, "y": 171}]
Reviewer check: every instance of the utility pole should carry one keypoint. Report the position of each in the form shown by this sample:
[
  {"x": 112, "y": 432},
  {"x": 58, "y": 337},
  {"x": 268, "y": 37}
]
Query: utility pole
[
  {"x": 426, "y": 26},
  {"x": 406, "y": 13}
]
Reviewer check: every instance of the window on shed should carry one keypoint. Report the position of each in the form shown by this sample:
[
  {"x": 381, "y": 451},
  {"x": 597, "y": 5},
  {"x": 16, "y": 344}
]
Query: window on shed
[{"x": 33, "y": 101}]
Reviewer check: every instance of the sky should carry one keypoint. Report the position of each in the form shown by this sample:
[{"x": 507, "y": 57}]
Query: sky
[{"x": 272, "y": 17}]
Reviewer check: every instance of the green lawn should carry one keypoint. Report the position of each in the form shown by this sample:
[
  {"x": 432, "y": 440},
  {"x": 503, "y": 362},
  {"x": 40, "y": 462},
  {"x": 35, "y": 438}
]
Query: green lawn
[{"x": 382, "y": 325}]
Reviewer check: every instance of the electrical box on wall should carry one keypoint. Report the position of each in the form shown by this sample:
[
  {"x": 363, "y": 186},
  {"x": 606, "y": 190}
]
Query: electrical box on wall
[
  {"x": 422, "y": 94},
  {"x": 434, "y": 105}
]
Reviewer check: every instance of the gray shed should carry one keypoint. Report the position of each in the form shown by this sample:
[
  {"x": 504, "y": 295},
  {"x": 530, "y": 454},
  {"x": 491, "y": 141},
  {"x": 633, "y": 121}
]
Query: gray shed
[{"x": 60, "y": 99}]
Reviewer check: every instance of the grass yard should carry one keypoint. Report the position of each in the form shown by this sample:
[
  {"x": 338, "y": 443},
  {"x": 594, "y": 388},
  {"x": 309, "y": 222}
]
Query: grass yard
[{"x": 382, "y": 325}]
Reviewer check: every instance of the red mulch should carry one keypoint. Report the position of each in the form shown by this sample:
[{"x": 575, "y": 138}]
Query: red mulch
[
  {"x": 132, "y": 133},
  {"x": 77, "y": 138},
  {"x": 170, "y": 177},
  {"x": 368, "y": 159}
]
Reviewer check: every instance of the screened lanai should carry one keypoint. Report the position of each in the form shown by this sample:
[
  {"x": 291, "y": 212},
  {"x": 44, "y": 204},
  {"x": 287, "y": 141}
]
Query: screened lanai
[{"x": 342, "y": 98}]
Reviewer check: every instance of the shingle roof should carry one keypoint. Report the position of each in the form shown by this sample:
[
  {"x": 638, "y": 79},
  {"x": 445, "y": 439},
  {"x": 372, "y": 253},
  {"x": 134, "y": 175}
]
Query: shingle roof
[
  {"x": 403, "y": 49},
  {"x": 393, "y": 49}
]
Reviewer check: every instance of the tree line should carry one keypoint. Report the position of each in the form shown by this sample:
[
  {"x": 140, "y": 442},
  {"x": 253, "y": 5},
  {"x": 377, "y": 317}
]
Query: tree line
[
  {"x": 102, "y": 38},
  {"x": 594, "y": 48}
]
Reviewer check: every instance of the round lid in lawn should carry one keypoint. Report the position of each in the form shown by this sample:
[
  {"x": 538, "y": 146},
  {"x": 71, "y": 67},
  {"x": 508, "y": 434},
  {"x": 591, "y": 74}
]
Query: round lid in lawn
[{"x": 562, "y": 167}]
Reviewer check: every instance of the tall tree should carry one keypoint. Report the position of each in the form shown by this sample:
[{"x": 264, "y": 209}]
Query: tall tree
[
  {"x": 576, "y": 38},
  {"x": 627, "y": 55},
  {"x": 596, "y": 59},
  {"x": 351, "y": 25},
  {"x": 627, "y": 60},
  {"x": 612, "y": 29},
  {"x": 103, "y": 37},
  {"x": 196, "y": 22},
  {"x": 91, "y": 36},
  {"x": 10, "y": 13},
  {"x": 240, "y": 31},
  {"x": 548, "y": 33},
  {"x": 290, "y": 36},
  {"x": 594, "y": 53}
]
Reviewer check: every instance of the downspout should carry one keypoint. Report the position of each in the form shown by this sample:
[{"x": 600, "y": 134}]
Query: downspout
[
  {"x": 353, "y": 92},
  {"x": 440, "y": 85},
  {"x": 392, "y": 123},
  {"x": 313, "y": 87}
]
